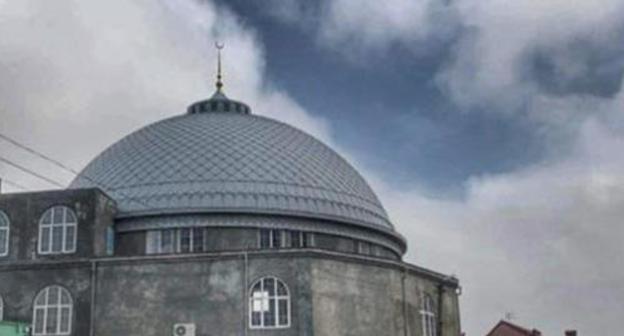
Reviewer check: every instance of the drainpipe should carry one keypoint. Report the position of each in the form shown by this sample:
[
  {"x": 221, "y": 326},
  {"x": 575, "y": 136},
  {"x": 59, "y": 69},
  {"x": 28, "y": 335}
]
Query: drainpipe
[
  {"x": 245, "y": 294},
  {"x": 93, "y": 295},
  {"x": 403, "y": 275},
  {"x": 440, "y": 310}
]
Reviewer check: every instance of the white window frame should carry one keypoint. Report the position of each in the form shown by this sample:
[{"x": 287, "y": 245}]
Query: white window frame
[
  {"x": 154, "y": 245},
  {"x": 428, "y": 316},
  {"x": 265, "y": 301},
  {"x": 46, "y": 306},
  {"x": 64, "y": 224},
  {"x": 302, "y": 236},
  {"x": 5, "y": 225},
  {"x": 272, "y": 232}
]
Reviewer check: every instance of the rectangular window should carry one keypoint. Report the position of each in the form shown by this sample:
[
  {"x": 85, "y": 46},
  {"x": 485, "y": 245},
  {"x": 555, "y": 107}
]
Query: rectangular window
[
  {"x": 65, "y": 319},
  {"x": 364, "y": 248},
  {"x": 269, "y": 315},
  {"x": 256, "y": 318},
  {"x": 265, "y": 238},
  {"x": 70, "y": 232},
  {"x": 283, "y": 312},
  {"x": 51, "y": 320},
  {"x": 110, "y": 241},
  {"x": 3, "y": 242},
  {"x": 295, "y": 238},
  {"x": 307, "y": 239},
  {"x": 167, "y": 243},
  {"x": 39, "y": 314},
  {"x": 198, "y": 239},
  {"x": 152, "y": 246},
  {"x": 45, "y": 241},
  {"x": 185, "y": 240},
  {"x": 57, "y": 238},
  {"x": 276, "y": 238}
]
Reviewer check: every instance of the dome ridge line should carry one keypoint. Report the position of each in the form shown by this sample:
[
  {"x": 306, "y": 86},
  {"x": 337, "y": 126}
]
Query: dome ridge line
[
  {"x": 273, "y": 209},
  {"x": 191, "y": 181}
]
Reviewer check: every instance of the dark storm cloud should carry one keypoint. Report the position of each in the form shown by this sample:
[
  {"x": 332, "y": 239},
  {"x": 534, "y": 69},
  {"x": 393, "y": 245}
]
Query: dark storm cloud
[{"x": 542, "y": 240}]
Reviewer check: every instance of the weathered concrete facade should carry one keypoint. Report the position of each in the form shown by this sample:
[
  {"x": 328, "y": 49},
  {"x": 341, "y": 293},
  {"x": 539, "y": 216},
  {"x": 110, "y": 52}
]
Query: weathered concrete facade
[
  {"x": 130, "y": 293},
  {"x": 229, "y": 223}
]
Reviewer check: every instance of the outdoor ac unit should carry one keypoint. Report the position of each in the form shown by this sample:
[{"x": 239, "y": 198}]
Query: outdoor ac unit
[{"x": 184, "y": 329}]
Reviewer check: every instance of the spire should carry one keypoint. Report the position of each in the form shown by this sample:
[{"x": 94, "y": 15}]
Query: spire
[
  {"x": 219, "y": 46},
  {"x": 218, "y": 102}
]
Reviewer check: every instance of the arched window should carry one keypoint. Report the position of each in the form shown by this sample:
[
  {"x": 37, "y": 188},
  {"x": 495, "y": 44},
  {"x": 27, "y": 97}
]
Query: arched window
[
  {"x": 269, "y": 304},
  {"x": 57, "y": 231},
  {"x": 428, "y": 316},
  {"x": 52, "y": 312},
  {"x": 4, "y": 234}
]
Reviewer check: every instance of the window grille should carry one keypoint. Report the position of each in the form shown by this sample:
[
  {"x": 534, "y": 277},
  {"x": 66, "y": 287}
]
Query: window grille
[
  {"x": 269, "y": 304},
  {"x": 57, "y": 231}
]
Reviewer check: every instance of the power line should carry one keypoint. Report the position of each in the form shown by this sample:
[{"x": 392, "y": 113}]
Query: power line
[
  {"x": 26, "y": 170},
  {"x": 65, "y": 167},
  {"x": 36, "y": 153}
]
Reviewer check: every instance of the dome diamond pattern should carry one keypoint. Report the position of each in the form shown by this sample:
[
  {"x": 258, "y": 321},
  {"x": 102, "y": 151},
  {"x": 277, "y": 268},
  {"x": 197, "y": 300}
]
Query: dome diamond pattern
[{"x": 231, "y": 162}]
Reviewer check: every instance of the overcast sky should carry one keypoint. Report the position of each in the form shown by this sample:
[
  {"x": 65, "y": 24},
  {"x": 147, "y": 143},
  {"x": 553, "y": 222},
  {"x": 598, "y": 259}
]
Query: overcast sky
[{"x": 492, "y": 130}]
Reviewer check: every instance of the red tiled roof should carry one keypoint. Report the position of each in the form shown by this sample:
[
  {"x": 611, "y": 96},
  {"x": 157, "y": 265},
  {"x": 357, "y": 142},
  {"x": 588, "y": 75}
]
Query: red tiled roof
[{"x": 505, "y": 328}]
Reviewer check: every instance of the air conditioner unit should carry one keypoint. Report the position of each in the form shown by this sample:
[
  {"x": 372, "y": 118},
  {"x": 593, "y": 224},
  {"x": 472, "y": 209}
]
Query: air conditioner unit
[{"x": 184, "y": 329}]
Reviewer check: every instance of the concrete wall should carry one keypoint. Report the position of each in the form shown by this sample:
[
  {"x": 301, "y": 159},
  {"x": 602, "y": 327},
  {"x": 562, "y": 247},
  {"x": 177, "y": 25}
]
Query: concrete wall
[
  {"x": 93, "y": 209},
  {"x": 149, "y": 297},
  {"x": 20, "y": 285},
  {"x": 331, "y": 294},
  {"x": 355, "y": 298},
  {"x": 333, "y": 290}
]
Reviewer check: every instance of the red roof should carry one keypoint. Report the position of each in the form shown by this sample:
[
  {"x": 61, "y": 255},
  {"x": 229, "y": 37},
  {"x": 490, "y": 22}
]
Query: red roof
[{"x": 505, "y": 328}]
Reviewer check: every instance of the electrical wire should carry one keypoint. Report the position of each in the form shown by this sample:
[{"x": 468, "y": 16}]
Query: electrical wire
[
  {"x": 28, "y": 171},
  {"x": 62, "y": 166}
]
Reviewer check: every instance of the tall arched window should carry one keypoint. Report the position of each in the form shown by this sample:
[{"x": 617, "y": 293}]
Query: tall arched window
[
  {"x": 5, "y": 229},
  {"x": 428, "y": 316},
  {"x": 57, "y": 231},
  {"x": 269, "y": 304},
  {"x": 52, "y": 312}
]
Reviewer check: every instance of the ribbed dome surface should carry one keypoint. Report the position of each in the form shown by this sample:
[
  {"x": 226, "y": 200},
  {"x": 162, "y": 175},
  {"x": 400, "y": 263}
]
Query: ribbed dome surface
[{"x": 231, "y": 162}]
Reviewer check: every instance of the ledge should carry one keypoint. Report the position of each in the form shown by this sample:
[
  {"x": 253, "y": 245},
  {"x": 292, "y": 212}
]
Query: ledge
[{"x": 446, "y": 280}]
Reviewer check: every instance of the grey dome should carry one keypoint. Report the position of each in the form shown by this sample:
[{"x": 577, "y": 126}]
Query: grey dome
[{"x": 219, "y": 162}]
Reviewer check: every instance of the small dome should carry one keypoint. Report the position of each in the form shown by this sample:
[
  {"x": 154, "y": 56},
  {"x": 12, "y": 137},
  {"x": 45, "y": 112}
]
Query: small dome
[{"x": 212, "y": 161}]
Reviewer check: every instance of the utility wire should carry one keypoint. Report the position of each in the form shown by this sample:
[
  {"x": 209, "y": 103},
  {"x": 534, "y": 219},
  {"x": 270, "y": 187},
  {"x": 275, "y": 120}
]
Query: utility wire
[
  {"x": 26, "y": 170},
  {"x": 64, "y": 167},
  {"x": 38, "y": 154}
]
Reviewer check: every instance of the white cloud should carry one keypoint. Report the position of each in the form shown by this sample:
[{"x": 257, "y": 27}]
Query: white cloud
[
  {"x": 492, "y": 58},
  {"x": 81, "y": 74},
  {"x": 542, "y": 241}
]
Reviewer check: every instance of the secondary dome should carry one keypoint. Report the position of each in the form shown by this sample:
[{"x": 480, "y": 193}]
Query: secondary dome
[{"x": 219, "y": 158}]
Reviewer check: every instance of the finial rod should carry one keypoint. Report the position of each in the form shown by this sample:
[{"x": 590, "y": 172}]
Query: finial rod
[{"x": 219, "y": 46}]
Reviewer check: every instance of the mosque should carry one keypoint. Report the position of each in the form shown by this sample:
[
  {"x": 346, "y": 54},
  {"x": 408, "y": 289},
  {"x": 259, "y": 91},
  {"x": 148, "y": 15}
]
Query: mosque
[{"x": 215, "y": 222}]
